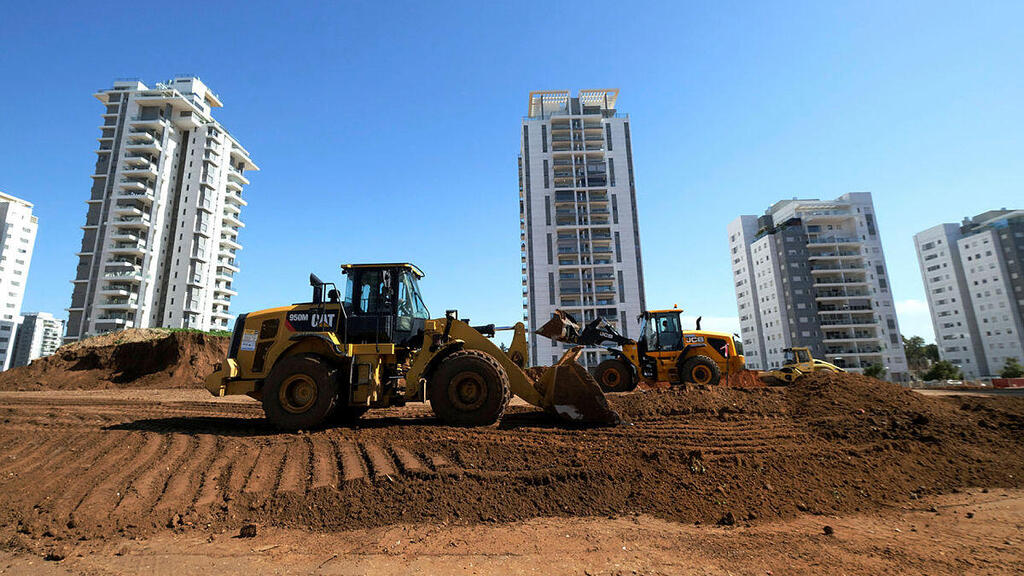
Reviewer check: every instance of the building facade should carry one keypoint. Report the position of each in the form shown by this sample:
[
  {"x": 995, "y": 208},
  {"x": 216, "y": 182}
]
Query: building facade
[
  {"x": 161, "y": 231},
  {"x": 17, "y": 239},
  {"x": 579, "y": 235},
  {"x": 812, "y": 273},
  {"x": 39, "y": 335},
  {"x": 972, "y": 273}
]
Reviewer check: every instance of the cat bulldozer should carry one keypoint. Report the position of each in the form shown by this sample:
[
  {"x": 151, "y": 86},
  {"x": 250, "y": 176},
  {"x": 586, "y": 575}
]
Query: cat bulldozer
[
  {"x": 334, "y": 358},
  {"x": 798, "y": 362},
  {"x": 664, "y": 353}
]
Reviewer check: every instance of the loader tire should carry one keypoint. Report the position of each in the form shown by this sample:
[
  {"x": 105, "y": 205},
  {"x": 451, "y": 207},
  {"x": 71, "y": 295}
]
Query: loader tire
[
  {"x": 700, "y": 370},
  {"x": 300, "y": 393},
  {"x": 469, "y": 388},
  {"x": 614, "y": 375}
]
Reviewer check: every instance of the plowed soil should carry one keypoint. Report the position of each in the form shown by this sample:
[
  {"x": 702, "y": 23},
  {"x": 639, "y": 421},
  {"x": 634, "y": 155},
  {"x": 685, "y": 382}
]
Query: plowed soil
[
  {"x": 100, "y": 465},
  {"x": 134, "y": 358}
]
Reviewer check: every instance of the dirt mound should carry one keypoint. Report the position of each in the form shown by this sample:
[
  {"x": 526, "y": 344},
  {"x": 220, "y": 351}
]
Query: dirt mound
[
  {"x": 75, "y": 467},
  {"x": 133, "y": 358}
]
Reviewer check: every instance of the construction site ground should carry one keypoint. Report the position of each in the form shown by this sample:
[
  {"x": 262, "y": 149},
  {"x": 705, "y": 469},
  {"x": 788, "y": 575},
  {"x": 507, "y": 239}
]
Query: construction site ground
[{"x": 704, "y": 481}]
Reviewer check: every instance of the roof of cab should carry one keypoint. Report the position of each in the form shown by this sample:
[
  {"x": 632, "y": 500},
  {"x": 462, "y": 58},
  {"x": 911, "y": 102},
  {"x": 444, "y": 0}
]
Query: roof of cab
[{"x": 419, "y": 273}]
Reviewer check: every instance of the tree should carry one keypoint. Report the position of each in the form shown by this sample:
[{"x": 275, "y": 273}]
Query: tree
[
  {"x": 917, "y": 354},
  {"x": 931, "y": 352},
  {"x": 1012, "y": 369},
  {"x": 875, "y": 371},
  {"x": 942, "y": 370}
]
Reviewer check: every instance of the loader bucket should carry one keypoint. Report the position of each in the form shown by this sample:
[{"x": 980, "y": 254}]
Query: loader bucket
[
  {"x": 570, "y": 392},
  {"x": 561, "y": 328}
]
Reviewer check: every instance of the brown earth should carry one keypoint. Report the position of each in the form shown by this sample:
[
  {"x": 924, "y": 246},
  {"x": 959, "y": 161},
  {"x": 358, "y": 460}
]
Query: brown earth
[
  {"x": 133, "y": 358},
  {"x": 109, "y": 464},
  {"x": 974, "y": 532}
]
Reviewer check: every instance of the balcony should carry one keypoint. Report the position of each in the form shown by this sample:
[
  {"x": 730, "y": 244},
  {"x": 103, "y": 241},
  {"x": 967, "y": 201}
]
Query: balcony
[
  {"x": 839, "y": 309},
  {"x": 235, "y": 198},
  {"x": 136, "y": 248},
  {"x": 151, "y": 146},
  {"x": 187, "y": 120},
  {"x": 825, "y": 282},
  {"x": 237, "y": 175},
  {"x": 133, "y": 222},
  {"x": 123, "y": 210},
  {"x": 133, "y": 276},
  {"x": 113, "y": 318},
  {"x": 120, "y": 304},
  {"x": 230, "y": 242},
  {"x": 232, "y": 220},
  {"x": 833, "y": 240}
]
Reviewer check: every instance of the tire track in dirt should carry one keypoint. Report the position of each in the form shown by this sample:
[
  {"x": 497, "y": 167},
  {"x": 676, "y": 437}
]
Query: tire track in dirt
[
  {"x": 325, "y": 463},
  {"x": 34, "y": 458},
  {"x": 266, "y": 471},
  {"x": 149, "y": 483},
  {"x": 380, "y": 463},
  {"x": 184, "y": 484},
  {"x": 352, "y": 466},
  {"x": 210, "y": 492},
  {"x": 240, "y": 468},
  {"x": 294, "y": 471},
  {"x": 92, "y": 505}
]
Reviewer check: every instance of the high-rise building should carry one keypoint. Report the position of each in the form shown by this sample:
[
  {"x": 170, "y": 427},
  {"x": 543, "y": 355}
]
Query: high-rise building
[
  {"x": 161, "y": 232},
  {"x": 812, "y": 273},
  {"x": 580, "y": 240},
  {"x": 17, "y": 238},
  {"x": 973, "y": 274},
  {"x": 39, "y": 335}
]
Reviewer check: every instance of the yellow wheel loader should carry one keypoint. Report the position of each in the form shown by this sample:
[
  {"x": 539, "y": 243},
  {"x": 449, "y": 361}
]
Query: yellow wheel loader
[
  {"x": 664, "y": 353},
  {"x": 798, "y": 362},
  {"x": 335, "y": 357}
]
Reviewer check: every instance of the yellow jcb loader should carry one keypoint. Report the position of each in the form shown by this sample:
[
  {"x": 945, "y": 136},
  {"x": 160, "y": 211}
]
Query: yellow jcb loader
[
  {"x": 334, "y": 358},
  {"x": 664, "y": 353}
]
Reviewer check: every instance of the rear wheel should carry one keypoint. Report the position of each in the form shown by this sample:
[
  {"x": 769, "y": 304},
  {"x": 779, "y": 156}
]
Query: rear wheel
[
  {"x": 469, "y": 388},
  {"x": 300, "y": 392},
  {"x": 700, "y": 370},
  {"x": 614, "y": 375}
]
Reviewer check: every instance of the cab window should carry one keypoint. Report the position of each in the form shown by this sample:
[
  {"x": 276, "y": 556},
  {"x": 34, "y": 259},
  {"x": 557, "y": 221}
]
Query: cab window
[
  {"x": 410, "y": 303},
  {"x": 372, "y": 293}
]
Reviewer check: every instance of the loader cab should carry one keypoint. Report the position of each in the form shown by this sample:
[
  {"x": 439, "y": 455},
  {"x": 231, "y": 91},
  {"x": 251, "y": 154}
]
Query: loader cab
[
  {"x": 661, "y": 331},
  {"x": 384, "y": 305}
]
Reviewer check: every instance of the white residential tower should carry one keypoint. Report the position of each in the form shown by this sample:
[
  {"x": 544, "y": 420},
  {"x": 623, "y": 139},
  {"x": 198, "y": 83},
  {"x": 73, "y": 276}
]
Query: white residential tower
[
  {"x": 974, "y": 278},
  {"x": 161, "y": 232},
  {"x": 579, "y": 236},
  {"x": 17, "y": 238},
  {"x": 39, "y": 335},
  {"x": 812, "y": 273}
]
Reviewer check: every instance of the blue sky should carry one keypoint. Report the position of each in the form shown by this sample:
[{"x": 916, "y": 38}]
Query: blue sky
[{"x": 389, "y": 131}]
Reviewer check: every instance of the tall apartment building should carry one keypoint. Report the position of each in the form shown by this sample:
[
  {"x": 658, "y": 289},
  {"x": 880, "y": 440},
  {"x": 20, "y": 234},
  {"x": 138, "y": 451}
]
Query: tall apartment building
[
  {"x": 39, "y": 335},
  {"x": 161, "y": 232},
  {"x": 812, "y": 273},
  {"x": 17, "y": 239},
  {"x": 580, "y": 240},
  {"x": 974, "y": 279}
]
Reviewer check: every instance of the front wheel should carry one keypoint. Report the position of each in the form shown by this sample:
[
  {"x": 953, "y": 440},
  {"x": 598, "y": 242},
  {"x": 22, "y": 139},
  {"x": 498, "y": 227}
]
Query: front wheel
[
  {"x": 613, "y": 375},
  {"x": 469, "y": 388},
  {"x": 300, "y": 392},
  {"x": 700, "y": 370}
]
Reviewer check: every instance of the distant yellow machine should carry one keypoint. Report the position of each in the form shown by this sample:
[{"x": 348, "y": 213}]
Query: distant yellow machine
[
  {"x": 799, "y": 362},
  {"x": 664, "y": 353}
]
